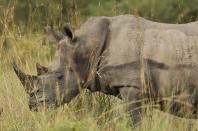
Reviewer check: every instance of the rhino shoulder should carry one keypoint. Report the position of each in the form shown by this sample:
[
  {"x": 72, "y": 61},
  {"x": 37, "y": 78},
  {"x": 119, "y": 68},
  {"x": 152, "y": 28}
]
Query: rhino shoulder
[{"x": 95, "y": 20}]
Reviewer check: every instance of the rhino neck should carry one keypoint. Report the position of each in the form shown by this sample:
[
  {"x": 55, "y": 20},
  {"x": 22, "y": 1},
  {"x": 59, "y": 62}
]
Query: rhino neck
[
  {"x": 87, "y": 58},
  {"x": 92, "y": 40}
]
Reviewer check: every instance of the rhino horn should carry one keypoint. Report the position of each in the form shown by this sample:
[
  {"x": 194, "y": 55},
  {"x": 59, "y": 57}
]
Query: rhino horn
[
  {"x": 26, "y": 80},
  {"x": 41, "y": 70}
]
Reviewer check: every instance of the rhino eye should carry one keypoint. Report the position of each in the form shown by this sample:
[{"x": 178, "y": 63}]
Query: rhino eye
[
  {"x": 60, "y": 77},
  {"x": 31, "y": 94}
]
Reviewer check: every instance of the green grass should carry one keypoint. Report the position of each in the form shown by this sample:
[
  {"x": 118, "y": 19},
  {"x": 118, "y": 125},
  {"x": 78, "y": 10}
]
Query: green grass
[{"x": 87, "y": 112}]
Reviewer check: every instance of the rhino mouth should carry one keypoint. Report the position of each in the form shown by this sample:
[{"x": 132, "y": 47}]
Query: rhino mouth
[{"x": 42, "y": 106}]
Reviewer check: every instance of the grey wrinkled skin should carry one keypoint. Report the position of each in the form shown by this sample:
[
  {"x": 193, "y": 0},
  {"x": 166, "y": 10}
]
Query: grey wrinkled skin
[{"x": 125, "y": 56}]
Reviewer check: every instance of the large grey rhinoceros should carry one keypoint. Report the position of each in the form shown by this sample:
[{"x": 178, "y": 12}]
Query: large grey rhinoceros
[{"x": 135, "y": 59}]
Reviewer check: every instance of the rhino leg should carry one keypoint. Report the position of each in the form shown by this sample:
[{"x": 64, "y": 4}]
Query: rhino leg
[{"x": 132, "y": 95}]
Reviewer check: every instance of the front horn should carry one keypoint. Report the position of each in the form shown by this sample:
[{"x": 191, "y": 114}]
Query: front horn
[{"x": 26, "y": 80}]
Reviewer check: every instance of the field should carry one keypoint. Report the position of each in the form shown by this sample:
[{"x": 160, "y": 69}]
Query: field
[{"x": 89, "y": 111}]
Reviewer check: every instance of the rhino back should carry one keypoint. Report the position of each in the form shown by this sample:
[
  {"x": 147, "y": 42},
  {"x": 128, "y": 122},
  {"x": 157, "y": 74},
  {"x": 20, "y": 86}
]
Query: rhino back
[
  {"x": 172, "y": 47},
  {"x": 188, "y": 28},
  {"x": 130, "y": 36}
]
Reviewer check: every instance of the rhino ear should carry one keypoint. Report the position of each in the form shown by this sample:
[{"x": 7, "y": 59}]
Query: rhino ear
[
  {"x": 68, "y": 31},
  {"x": 26, "y": 80},
  {"x": 52, "y": 35},
  {"x": 41, "y": 69}
]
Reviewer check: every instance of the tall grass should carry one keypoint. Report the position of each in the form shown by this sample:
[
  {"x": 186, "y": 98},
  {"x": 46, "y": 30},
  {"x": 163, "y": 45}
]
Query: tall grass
[{"x": 87, "y": 112}]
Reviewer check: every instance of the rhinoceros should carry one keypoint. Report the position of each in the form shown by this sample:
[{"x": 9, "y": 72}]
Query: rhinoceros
[{"x": 137, "y": 60}]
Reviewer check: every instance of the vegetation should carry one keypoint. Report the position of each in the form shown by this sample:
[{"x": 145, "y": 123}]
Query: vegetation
[{"x": 22, "y": 39}]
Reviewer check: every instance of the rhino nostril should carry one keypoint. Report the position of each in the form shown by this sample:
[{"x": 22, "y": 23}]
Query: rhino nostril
[{"x": 33, "y": 107}]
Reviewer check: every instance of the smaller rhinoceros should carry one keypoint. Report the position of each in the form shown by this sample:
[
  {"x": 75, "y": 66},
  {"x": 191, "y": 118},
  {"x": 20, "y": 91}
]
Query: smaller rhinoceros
[{"x": 125, "y": 56}]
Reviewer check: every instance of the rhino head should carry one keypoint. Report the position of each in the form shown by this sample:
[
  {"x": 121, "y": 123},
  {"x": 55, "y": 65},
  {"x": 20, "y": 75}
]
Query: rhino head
[{"x": 57, "y": 84}]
